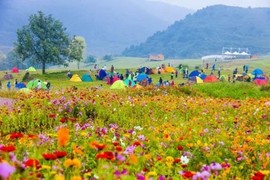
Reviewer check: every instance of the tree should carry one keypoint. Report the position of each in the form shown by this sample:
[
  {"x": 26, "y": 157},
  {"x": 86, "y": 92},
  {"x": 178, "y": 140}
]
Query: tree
[
  {"x": 91, "y": 59},
  {"x": 43, "y": 40},
  {"x": 77, "y": 49},
  {"x": 14, "y": 60}
]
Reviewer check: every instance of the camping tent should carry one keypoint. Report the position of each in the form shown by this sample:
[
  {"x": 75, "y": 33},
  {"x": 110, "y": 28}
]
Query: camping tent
[
  {"x": 194, "y": 73},
  {"x": 257, "y": 72},
  {"x": 75, "y": 78},
  {"x": 119, "y": 84},
  {"x": 169, "y": 69},
  {"x": 210, "y": 78},
  {"x": 20, "y": 85},
  {"x": 101, "y": 74},
  {"x": 87, "y": 78},
  {"x": 15, "y": 70},
  {"x": 260, "y": 82},
  {"x": 33, "y": 84},
  {"x": 196, "y": 79},
  {"x": 25, "y": 90},
  {"x": 145, "y": 70},
  {"x": 115, "y": 78},
  {"x": 129, "y": 81},
  {"x": 141, "y": 77},
  {"x": 31, "y": 69}
]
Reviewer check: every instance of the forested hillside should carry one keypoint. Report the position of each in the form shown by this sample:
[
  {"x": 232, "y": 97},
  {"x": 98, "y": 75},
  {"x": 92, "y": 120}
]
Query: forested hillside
[{"x": 207, "y": 31}]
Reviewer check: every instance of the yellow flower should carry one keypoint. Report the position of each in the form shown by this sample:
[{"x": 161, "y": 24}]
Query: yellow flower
[
  {"x": 76, "y": 178},
  {"x": 169, "y": 161},
  {"x": 59, "y": 177},
  {"x": 150, "y": 174},
  {"x": 72, "y": 163}
]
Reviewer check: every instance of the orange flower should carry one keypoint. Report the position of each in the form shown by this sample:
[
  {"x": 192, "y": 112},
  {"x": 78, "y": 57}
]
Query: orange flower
[
  {"x": 63, "y": 136},
  {"x": 96, "y": 145}
]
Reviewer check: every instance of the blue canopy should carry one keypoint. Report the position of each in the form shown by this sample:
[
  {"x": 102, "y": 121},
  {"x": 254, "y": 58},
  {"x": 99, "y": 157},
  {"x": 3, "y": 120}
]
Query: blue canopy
[
  {"x": 102, "y": 73},
  {"x": 202, "y": 76},
  {"x": 257, "y": 71},
  {"x": 141, "y": 77},
  {"x": 20, "y": 85},
  {"x": 194, "y": 73}
]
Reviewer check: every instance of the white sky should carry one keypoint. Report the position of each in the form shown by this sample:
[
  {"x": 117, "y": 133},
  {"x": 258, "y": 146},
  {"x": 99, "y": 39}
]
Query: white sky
[{"x": 198, "y": 4}]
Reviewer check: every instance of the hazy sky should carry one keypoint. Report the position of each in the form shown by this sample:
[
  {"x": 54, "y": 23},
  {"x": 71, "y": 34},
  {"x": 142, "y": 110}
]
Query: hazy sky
[{"x": 198, "y": 4}]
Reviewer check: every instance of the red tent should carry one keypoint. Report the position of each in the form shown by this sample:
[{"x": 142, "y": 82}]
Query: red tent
[
  {"x": 15, "y": 70},
  {"x": 115, "y": 78},
  {"x": 210, "y": 78},
  {"x": 261, "y": 82}
]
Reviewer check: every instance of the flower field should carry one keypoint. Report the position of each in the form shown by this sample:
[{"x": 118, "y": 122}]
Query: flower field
[{"x": 136, "y": 134}]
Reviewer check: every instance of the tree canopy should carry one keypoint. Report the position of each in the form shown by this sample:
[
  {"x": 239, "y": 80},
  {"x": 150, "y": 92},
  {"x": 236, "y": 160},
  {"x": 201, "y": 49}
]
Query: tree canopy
[
  {"x": 77, "y": 50},
  {"x": 43, "y": 40}
]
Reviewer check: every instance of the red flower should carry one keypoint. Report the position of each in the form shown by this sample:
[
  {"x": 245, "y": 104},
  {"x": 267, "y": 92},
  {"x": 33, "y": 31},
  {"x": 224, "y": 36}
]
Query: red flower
[
  {"x": 118, "y": 148},
  {"x": 60, "y": 154},
  {"x": 258, "y": 176},
  {"x": 16, "y": 135},
  {"x": 52, "y": 115},
  {"x": 180, "y": 148},
  {"x": 116, "y": 143},
  {"x": 105, "y": 155},
  {"x": 72, "y": 119},
  {"x": 63, "y": 120},
  {"x": 177, "y": 160},
  {"x": 49, "y": 156},
  {"x": 136, "y": 143},
  {"x": 187, "y": 174},
  {"x": 32, "y": 163},
  {"x": 8, "y": 148}
]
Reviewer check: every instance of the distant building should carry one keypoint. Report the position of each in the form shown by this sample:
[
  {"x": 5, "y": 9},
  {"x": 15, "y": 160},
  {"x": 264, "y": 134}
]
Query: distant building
[{"x": 159, "y": 57}]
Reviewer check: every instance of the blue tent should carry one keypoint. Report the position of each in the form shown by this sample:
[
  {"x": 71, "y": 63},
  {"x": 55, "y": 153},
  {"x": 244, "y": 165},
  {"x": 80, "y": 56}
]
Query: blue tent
[
  {"x": 194, "y": 73},
  {"x": 20, "y": 85},
  {"x": 87, "y": 78},
  {"x": 257, "y": 72},
  {"x": 102, "y": 74},
  {"x": 127, "y": 81},
  {"x": 141, "y": 77},
  {"x": 145, "y": 70},
  {"x": 202, "y": 76}
]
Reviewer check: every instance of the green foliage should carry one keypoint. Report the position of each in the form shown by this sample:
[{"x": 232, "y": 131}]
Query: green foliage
[
  {"x": 107, "y": 57},
  {"x": 43, "y": 40},
  {"x": 207, "y": 31},
  {"x": 91, "y": 59},
  {"x": 77, "y": 49}
]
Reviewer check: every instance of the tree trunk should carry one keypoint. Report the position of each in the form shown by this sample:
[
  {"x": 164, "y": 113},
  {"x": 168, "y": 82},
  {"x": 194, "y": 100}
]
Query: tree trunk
[
  {"x": 78, "y": 64},
  {"x": 43, "y": 67}
]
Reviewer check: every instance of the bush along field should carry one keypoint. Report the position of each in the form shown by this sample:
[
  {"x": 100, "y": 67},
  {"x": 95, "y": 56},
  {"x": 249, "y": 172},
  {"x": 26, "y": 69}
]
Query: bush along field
[{"x": 152, "y": 133}]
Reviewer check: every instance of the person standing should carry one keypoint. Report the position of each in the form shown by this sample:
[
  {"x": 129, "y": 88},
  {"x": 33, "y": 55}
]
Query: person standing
[{"x": 8, "y": 85}]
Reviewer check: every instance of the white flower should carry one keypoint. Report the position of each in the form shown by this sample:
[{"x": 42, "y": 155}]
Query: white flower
[
  {"x": 184, "y": 159},
  {"x": 139, "y": 128}
]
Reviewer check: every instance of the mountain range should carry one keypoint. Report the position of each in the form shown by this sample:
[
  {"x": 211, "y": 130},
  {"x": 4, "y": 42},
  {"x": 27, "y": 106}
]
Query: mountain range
[
  {"x": 207, "y": 31},
  {"x": 109, "y": 26}
]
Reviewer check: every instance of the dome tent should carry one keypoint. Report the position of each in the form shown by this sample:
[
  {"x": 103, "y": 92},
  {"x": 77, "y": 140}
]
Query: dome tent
[
  {"x": 75, "y": 78},
  {"x": 33, "y": 84},
  {"x": 87, "y": 78}
]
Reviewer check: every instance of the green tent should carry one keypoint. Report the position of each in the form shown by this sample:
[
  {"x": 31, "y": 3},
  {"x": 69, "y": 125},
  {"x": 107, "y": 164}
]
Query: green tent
[
  {"x": 25, "y": 90},
  {"x": 31, "y": 69},
  {"x": 119, "y": 84},
  {"x": 87, "y": 78},
  {"x": 33, "y": 84}
]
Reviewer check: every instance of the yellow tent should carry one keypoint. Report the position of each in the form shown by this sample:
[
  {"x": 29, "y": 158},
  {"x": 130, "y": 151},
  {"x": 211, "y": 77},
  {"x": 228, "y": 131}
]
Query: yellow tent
[
  {"x": 169, "y": 69},
  {"x": 198, "y": 80},
  {"x": 75, "y": 78}
]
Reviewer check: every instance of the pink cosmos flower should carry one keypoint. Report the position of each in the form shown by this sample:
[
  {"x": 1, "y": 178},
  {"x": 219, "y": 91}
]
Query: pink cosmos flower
[{"x": 6, "y": 170}]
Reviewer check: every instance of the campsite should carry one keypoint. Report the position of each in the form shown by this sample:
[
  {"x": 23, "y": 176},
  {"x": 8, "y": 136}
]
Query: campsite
[{"x": 83, "y": 125}]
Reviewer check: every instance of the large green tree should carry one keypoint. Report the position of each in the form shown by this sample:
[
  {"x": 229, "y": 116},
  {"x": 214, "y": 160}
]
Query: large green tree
[
  {"x": 77, "y": 50},
  {"x": 43, "y": 40}
]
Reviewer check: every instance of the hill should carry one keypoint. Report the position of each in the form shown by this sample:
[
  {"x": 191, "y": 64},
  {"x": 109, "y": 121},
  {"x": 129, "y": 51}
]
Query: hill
[
  {"x": 207, "y": 31},
  {"x": 108, "y": 26}
]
